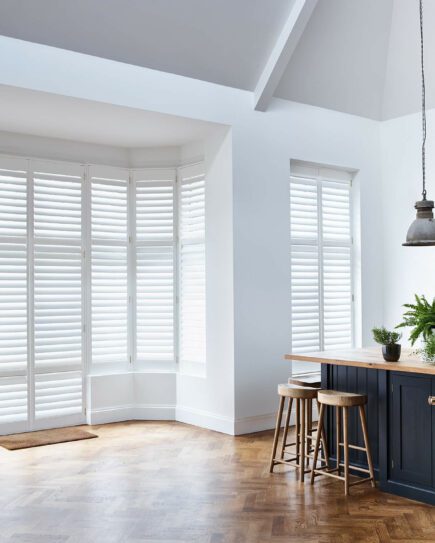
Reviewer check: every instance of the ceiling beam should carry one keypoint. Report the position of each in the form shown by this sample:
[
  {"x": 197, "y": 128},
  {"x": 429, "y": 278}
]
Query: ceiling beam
[{"x": 282, "y": 52}]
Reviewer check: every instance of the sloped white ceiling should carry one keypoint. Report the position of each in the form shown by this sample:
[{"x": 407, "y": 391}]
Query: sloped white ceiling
[
  {"x": 402, "y": 91},
  {"x": 222, "y": 41},
  {"x": 341, "y": 58},
  {"x": 356, "y": 56}
]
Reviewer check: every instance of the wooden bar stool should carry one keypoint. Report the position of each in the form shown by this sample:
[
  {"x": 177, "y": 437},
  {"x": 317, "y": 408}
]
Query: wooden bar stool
[
  {"x": 297, "y": 459},
  {"x": 313, "y": 382},
  {"x": 342, "y": 401}
]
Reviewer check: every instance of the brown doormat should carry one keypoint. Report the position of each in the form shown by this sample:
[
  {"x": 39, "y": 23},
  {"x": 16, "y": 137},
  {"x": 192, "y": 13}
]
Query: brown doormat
[{"x": 43, "y": 437}]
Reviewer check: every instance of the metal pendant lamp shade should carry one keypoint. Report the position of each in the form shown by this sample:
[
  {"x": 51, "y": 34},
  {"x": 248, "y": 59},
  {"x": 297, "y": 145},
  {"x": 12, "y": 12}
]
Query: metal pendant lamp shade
[{"x": 422, "y": 230}]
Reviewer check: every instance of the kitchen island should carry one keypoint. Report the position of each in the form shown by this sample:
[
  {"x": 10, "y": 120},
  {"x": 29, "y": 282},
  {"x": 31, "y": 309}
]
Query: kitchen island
[{"x": 400, "y": 415}]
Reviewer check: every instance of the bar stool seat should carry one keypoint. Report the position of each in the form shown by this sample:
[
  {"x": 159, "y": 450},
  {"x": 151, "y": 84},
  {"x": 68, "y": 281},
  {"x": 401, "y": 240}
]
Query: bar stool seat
[
  {"x": 310, "y": 381},
  {"x": 342, "y": 401},
  {"x": 303, "y": 397},
  {"x": 296, "y": 391}
]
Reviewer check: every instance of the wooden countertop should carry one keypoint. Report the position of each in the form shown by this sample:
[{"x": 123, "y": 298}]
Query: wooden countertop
[{"x": 367, "y": 358}]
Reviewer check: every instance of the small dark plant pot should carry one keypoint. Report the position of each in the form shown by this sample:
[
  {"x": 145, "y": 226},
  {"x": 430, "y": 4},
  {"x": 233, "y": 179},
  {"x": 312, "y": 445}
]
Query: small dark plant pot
[{"x": 391, "y": 352}]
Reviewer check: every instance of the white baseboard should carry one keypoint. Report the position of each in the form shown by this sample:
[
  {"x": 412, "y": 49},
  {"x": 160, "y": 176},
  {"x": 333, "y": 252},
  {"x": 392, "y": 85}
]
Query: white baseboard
[
  {"x": 259, "y": 423},
  {"x": 204, "y": 419},
  {"x": 154, "y": 412},
  {"x": 131, "y": 412},
  {"x": 188, "y": 415}
]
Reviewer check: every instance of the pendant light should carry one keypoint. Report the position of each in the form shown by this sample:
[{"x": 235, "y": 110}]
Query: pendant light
[{"x": 422, "y": 230}]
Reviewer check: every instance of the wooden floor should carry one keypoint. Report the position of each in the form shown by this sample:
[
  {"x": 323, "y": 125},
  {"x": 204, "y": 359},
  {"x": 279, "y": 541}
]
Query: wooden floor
[{"x": 170, "y": 482}]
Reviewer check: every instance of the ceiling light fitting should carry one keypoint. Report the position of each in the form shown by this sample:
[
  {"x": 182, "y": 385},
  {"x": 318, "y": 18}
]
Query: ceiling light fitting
[{"x": 422, "y": 230}]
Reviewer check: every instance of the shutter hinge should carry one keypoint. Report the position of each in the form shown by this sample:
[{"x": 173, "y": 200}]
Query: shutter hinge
[
  {"x": 353, "y": 297},
  {"x": 129, "y": 359},
  {"x": 129, "y": 239},
  {"x": 86, "y": 410},
  {"x": 84, "y": 253},
  {"x": 84, "y": 328}
]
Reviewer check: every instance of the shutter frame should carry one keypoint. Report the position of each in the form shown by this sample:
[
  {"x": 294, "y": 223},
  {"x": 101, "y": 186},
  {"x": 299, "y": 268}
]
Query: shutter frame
[{"x": 320, "y": 226}]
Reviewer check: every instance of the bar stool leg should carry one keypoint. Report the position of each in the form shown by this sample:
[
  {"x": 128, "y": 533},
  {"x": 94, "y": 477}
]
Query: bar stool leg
[
  {"x": 346, "y": 449},
  {"x": 316, "y": 447},
  {"x": 309, "y": 429},
  {"x": 325, "y": 452},
  {"x": 338, "y": 436},
  {"x": 303, "y": 440},
  {"x": 362, "y": 416},
  {"x": 277, "y": 428},
  {"x": 298, "y": 431},
  {"x": 286, "y": 427}
]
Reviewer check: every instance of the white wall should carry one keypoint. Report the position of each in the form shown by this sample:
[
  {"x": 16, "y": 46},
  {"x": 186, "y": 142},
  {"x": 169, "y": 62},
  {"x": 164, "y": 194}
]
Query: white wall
[
  {"x": 262, "y": 145},
  {"x": 209, "y": 400},
  {"x": 407, "y": 270}
]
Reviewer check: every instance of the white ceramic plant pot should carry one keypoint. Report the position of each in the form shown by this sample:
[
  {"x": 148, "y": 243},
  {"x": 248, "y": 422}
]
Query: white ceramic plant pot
[{"x": 422, "y": 346}]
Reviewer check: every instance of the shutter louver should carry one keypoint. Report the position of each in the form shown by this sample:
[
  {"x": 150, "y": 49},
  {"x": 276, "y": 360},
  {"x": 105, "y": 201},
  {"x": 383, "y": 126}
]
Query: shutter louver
[
  {"x": 109, "y": 236},
  {"x": 154, "y": 218},
  {"x": 13, "y": 291},
  {"x": 321, "y": 262},
  {"x": 192, "y": 266},
  {"x": 57, "y": 285}
]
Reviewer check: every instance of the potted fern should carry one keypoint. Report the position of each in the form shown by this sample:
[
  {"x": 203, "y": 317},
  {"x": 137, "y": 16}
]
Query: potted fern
[
  {"x": 390, "y": 348},
  {"x": 420, "y": 317}
]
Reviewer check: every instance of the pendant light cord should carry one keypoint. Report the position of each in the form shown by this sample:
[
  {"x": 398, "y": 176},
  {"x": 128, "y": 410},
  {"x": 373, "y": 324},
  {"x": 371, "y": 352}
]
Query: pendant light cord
[{"x": 423, "y": 104}]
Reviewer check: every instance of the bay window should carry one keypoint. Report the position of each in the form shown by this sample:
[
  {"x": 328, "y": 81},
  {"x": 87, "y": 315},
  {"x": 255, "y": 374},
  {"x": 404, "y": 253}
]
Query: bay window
[{"x": 102, "y": 269}]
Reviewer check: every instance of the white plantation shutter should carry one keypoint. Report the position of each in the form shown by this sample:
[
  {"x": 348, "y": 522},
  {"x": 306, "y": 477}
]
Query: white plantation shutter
[
  {"x": 192, "y": 267},
  {"x": 109, "y": 242},
  {"x": 58, "y": 324},
  {"x": 321, "y": 261},
  {"x": 154, "y": 220},
  {"x": 88, "y": 275},
  {"x": 13, "y": 290}
]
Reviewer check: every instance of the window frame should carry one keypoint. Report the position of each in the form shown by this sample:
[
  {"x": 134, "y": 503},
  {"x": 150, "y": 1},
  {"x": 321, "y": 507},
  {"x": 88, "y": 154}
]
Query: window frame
[{"x": 321, "y": 177}]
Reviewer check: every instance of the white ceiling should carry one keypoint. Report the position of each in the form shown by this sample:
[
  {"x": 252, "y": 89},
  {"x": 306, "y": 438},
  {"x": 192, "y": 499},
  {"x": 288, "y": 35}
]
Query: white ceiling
[
  {"x": 355, "y": 56},
  {"x": 341, "y": 58},
  {"x": 223, "y": 41},
  {"x": 50, "y": 115}
]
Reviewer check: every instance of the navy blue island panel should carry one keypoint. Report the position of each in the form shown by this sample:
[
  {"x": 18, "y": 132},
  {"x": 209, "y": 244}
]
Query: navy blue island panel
[{"x": 401, "y": 426}]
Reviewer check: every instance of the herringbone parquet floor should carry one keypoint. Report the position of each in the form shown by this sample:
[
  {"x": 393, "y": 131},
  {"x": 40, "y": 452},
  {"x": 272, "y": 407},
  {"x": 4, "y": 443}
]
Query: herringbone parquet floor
[{"x": 169, "y": 482}]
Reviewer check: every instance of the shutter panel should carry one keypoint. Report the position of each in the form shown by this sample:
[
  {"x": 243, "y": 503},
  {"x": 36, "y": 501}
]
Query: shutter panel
[
  {"x": 57, "y": 287},
  {"x": 13, "y": 290},
  {"x": 337, "y": 265},
  {"x": 321, "y": 261},
  {"x": 109, "y": 238},
  {"x": 305, "y": 298},
  {"x": 337, "y": 271},
  {"x": 192, "y": 266},
  {"x": 305, "y": 279},
  {"x": 336, "y": 212},
  {"x": 58, "y": 394},
  {"x": 154, "y": 190}
]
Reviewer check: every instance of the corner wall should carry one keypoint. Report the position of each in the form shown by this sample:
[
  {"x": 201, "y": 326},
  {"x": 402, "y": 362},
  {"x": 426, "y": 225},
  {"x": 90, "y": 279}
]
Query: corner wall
[{"x": 407, "y": 270}]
